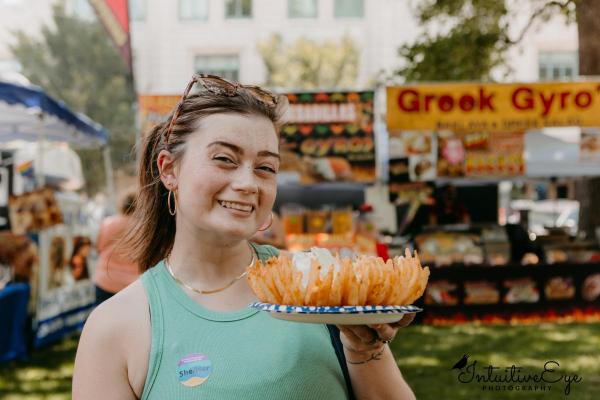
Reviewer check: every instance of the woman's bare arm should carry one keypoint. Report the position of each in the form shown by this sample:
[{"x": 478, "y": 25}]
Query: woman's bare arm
[{"x": 115, "y": 341}]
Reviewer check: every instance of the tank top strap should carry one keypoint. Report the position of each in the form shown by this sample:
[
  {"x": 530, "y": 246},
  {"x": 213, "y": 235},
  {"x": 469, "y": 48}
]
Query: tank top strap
[
  {"x": 265, "y": 251},
  {"x": 149, "y": 281}
]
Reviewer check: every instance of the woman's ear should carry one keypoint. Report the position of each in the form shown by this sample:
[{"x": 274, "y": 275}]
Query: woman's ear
[{"x": 166, "y": 168}]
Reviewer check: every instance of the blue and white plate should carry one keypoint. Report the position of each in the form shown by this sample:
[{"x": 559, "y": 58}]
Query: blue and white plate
[{"x": 343, "y": 315}]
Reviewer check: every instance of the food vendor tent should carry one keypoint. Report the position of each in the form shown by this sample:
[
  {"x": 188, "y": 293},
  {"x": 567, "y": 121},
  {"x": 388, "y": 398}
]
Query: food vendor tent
[{"x": 28, "y": 114}]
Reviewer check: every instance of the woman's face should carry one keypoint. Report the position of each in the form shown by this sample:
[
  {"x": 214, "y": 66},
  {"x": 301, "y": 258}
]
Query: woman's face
[{"x": 226, "y": 179}]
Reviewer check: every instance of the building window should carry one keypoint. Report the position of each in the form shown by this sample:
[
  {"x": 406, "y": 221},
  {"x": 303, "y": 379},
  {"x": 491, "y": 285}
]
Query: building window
[
  {"x": 558, "y": 65},
  {"x": 193, "y": 9},
  {"x": 225, "y": 66},
  {"x": 349, "y": 9},
  {"x": 302, "y": 8},
  {"x": 238, "y": 9},
  {"x": 137, "y": 10}
]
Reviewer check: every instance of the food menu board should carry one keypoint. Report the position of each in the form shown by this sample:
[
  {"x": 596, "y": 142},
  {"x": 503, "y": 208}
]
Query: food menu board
[
  {"x": 494, "y": 154},
  {"x": 425, "y": 155},
  {"x": 328, "y": 136}
]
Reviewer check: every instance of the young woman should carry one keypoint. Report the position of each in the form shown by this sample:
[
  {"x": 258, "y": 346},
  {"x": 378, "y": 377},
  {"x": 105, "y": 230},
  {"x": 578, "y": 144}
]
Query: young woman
[{"x": 184, "y": 330}]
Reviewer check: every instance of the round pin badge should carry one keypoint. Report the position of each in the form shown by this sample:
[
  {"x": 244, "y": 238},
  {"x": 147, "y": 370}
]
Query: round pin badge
[{"x": 194, "y": 369}]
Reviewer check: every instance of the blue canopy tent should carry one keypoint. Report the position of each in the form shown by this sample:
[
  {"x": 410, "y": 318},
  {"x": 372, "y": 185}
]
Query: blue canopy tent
[{"x": 28, "y": 114}]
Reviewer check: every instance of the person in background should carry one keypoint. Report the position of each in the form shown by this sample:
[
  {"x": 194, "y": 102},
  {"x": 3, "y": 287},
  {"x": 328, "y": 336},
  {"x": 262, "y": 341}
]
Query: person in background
[
  {"x": 449, "y": 209},
  {"x": 17, "y": 259},
  {"x": 81, "y": 250},
  {"x": 115, "y": 269}
]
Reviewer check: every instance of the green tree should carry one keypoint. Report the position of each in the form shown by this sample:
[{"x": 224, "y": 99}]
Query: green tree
[
  {"x": 75, "y": 61},
  {"x": 307, "y": 64},
  {"x": 473, "y": 37}
]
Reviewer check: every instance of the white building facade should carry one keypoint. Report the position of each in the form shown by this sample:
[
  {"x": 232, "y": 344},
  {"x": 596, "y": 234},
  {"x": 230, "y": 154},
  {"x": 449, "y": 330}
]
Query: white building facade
[{"x": 172, "y": 39}]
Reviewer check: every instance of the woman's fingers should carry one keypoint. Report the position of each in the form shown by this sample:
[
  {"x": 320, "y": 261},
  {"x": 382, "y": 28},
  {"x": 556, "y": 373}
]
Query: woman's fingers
[
  {"x": 405, "y": 321},
  {"x": 349, "y": 333},
  {"x": 364, "y": 333},
  {"x": 385, "y": 332}
]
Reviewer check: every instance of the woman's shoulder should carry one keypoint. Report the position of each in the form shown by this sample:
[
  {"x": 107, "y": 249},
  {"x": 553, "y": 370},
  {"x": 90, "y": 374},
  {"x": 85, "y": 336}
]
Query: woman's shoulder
[
  {"x": 116, "y": 339},
  {"x": 120, "y": 328},
  {"x": 125, "y": 311}
]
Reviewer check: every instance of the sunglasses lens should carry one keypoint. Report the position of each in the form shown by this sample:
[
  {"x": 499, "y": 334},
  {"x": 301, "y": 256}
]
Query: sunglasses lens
[
  {"x": 262, "y": 95},
  {"x": 219, "y": 86}
]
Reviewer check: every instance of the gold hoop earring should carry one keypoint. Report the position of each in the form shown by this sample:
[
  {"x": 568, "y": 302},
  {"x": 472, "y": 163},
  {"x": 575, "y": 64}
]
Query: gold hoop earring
[
  {"x": 169, "y": 203},
  {"x": 268, "y": 226}
]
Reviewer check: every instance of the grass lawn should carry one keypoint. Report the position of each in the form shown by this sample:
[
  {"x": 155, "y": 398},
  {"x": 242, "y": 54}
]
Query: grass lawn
[{"x": 425, "y": 354}]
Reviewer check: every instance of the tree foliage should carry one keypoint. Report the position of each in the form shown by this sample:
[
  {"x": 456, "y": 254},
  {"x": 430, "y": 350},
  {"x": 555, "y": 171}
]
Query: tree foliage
[
  {"x": 307, "y": 64},
  {"x": 74, "y": 61},
  {"x": 472, "y": 37}
]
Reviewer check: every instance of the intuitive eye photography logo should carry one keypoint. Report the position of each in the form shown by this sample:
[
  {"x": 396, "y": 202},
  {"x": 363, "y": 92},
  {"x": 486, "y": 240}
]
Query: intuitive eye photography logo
[{"x": 546, "y": 378}]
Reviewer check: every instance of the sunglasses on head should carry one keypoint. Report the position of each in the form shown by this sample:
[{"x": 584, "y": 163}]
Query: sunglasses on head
[{"x": 217, "y": 85}]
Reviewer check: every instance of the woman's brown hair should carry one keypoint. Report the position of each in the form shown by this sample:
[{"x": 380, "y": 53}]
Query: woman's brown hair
[{"x": 151, "y": 238}]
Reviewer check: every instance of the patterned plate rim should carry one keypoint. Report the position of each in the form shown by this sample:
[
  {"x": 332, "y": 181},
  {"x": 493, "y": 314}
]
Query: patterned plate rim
[{"x": 280, "y": 308}]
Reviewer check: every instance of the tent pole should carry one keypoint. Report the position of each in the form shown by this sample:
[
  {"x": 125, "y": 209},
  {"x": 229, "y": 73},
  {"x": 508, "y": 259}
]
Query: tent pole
[
  {"x": 39, "y": 171},
  {"x": 110, "y": 186}
]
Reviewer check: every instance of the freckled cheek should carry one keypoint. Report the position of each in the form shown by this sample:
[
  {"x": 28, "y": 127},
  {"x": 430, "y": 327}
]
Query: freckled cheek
[
  {"x": 205, "y": 186},
  {"x": 268, "y": 194}
]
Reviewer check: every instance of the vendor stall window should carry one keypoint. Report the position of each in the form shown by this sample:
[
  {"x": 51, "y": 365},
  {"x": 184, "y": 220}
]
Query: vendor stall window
[
  {"x": 226, "y": 66},
  {"x": 238, "y": 9},
  {"x": 558, "y": 65},
  {"x": 302, "y": 8},
  {"x": 138, "y": 10},
  {"x": 349, "y": 9},
  {"x": 193, "y": 10}
]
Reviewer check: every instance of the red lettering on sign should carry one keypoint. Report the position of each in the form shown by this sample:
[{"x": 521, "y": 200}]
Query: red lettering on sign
[
  {"x": 583, "y": 99},
  {"x": 466, "y": 103},
  {"x": 563, "y": 100},
  {"x": 446, "y": 103},
  {"x": 485, "y": 101},
  {"x": 410, "y": 104},
  {"x": 547, "y": 103},
  {"x": 411, "y": 100},
  {"x": 522, "y": 98}
]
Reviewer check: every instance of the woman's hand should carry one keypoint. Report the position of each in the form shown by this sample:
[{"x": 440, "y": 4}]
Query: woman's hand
[{"x": 365, "y": 343}]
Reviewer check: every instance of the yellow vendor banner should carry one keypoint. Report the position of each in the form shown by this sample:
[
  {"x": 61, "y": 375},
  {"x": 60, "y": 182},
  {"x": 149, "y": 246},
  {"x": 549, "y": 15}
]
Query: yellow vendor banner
[
  {"x": 469, "y": 107},
  {"x": 154, "y": 109}
]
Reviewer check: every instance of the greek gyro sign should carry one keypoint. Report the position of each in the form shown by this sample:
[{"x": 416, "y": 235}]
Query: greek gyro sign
[{"x": 493, "y": 107}]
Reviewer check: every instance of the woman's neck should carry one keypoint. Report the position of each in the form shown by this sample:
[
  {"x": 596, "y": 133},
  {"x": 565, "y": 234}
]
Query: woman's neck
[{"x": 207, "y": 264}]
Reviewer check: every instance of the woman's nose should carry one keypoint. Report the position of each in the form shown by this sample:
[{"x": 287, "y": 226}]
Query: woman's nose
[{"x": 245, "y": 181}]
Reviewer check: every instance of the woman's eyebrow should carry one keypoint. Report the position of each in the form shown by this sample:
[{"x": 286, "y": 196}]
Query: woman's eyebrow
[
  {"x": 233, "y": 147},
  {"x": 266, "y": 153},
  {"x": 240, "y": 151}
]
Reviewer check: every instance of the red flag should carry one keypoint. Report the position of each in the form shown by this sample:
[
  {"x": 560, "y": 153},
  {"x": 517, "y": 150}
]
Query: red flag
[{"x": 114, "y": 15}]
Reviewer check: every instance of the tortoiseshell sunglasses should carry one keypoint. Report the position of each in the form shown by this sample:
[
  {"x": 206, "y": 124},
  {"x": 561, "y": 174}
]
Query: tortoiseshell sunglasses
[{"x": 217, "y": 85}]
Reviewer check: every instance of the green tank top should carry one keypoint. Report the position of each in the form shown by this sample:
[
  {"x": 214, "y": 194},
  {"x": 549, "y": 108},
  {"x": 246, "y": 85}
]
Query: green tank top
[{"x": 197, "y": 353}]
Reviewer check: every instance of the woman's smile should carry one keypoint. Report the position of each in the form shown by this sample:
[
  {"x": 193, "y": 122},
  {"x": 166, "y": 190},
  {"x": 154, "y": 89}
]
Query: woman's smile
[{"x": 237, "y": 208}]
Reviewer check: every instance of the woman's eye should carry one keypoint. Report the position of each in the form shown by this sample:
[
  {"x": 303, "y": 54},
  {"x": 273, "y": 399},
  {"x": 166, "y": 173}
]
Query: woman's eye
[
  {"x": 224, "y": 159},
  {"x": 268, "y": 169}
]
